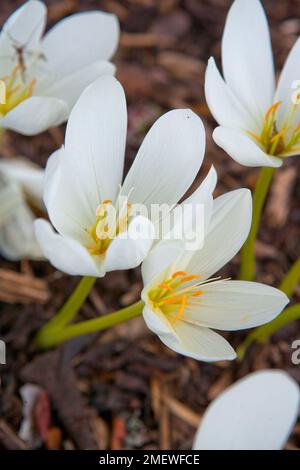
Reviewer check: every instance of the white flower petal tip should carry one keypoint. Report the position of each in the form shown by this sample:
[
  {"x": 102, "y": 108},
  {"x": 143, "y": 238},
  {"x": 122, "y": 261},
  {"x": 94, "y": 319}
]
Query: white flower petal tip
[
  {"x": 173, "y": 147},
  {"x": 44, "y": 79},
  {"x": 256, "y": 413},
  {"x": 243, "y": 149},
  {"x": 223, "y": 104},
  {"x": 65, "y": 254}
]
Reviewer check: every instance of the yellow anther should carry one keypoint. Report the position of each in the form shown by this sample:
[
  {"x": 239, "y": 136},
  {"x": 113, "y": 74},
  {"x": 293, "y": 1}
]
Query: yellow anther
[
  {"x": 197, "y": 293},
  {"x": 272, "y": 109},
  {"x": 163, "y": 285},
  {"x": 190, "y": 277},
  {"x": 178, "y": 274}
]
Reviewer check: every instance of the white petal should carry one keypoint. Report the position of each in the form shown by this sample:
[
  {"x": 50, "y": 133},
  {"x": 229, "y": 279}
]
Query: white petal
[
  {"x": 256, "y": 413},
  {"x": 168, "y": 159},
  {"x": 29, "y": 176},
  {"x": 223, "y": 104},
  {"x": 289, "y": 74},
  {"x": 243, "y": 149},
  {"x": 17, "y": 235},
  {"x": 96, "y": 137},
  {"x": 228, "y": 230},
  {"x": 35, "y": 115},
  {"x": 199, "y": 343},
  {"x": 204, "y": 195},
  {"x": 130, "y": 248},
  {"x": 66, "y": 202},
  {"x": 70, "y": 87},
  {"x": 156, "y": 321},
  {"x": 26, "y": 25},
  {"x": 159, "y": 258},
  {"x": 79, "y": 40},
  {"x": 65, "y": 254},
  {"x": 17, "y": 238},
  {"x": 237, "y": 305},
  {"x": 247, "y": 56}
]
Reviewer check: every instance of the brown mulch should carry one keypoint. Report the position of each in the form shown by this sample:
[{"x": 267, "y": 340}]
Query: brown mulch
[{"x": 123, "y": 389}]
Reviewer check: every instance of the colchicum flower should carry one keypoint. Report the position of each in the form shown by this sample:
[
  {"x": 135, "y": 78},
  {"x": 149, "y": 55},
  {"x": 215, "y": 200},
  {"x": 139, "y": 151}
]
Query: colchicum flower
[
  {"x": 43, "y": 77},
  {"x": 258, "y": 124},
  {"x": 183, "y": 302},
  {"x": 21, "y": 188},
  {"x": 83, "y": 183},
  {"x": 256, "y": 413}
]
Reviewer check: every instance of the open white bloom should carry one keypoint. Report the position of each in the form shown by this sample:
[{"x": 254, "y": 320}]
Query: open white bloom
[
  {"x": 20, "y": 199},
  {"x": 43, "y": 77},
  {"x": 256, "y": 413},
  {"x": 258, "y": 123},
  {"x": 183, "y": 302},
  {"x": 83, "y": 182}
]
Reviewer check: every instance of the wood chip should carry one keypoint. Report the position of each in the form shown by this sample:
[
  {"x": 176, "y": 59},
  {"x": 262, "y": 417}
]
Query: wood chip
[
  {"x": 144, "y": 40},
  {"x": 181, "y": 411},
  {"x": 22, "y": 288},
  {"x": 278, "y": 206},
  {"x": 9, "y": 438},
  {"x": 164, "y": 429},
  {"x": 183, "y": 67},
  {"x": 155, "y": 397}
]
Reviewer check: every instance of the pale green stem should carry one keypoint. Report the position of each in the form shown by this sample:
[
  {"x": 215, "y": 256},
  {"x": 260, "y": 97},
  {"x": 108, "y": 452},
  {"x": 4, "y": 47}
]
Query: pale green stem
[
  {"x": 48, "y": 339},
  {"x": 247, "y": 269},
  {"x": 71, "y": 307},
  {"x": 291, "y": 280},
  {"x": 262, "y": 333}
]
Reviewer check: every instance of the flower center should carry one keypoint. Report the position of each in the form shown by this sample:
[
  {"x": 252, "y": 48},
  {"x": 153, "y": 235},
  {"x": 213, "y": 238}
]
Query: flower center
[
  {"x": 109, "y": 223},
  {"x": 173, "y": 296},
  {"x": 279, "y": 141},
  {"x": 16, "y": 90}
]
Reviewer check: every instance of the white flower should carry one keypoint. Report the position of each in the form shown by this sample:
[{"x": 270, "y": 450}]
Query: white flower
[
  {"x": 182, "y": 300},
  {"x": 83, "y": 181},
  {"x": 45, "y": 76},
  {"x": 20, "y": 197},
  {"x": 256, "y": 413},
  {"x": 259, "y": 125}
]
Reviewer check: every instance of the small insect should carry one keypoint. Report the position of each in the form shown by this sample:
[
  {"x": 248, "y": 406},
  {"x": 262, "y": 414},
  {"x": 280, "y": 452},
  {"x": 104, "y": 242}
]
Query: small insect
[{"x": 21, "y": 52}]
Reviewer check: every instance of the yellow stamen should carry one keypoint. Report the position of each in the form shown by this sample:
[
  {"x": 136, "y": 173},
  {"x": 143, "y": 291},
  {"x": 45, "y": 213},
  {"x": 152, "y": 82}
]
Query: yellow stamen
[
  {"x": 272, "y": 109},
  {"x": 163, "y": 285},
  {"x": 181, "y": 310},
  {"x": 178, "y": 274},
  {"x": 190, "y": 277},
  {"x": 279, "y": 134},
  {"x": 172, "y": 295},
  {"x": 278, "y": 141}
]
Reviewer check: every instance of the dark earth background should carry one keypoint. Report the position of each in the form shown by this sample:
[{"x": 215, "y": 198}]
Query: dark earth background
[{"x": 123, "y": 389}]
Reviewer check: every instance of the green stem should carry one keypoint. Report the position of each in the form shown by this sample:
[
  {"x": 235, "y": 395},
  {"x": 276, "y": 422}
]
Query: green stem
[
  {"x": 71, "y": 307},
  {"x": 48, "y": 339},
  {"x": 262, "y": 333},
  {"x": 247, "y": 270},
  {"x": 291, "y": 280}
]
